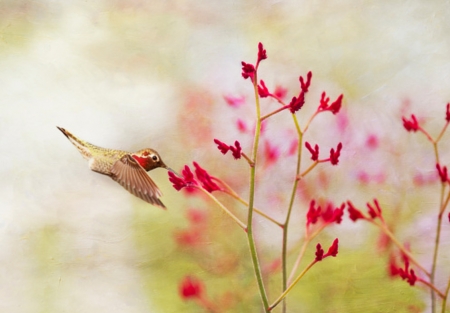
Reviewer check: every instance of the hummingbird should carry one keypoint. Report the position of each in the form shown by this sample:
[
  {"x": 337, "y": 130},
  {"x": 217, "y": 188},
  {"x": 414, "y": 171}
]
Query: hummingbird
[{"x": 127, "y": 168}]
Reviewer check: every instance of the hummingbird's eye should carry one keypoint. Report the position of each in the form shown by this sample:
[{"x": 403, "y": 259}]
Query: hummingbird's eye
[{"x": 155, "y": 158}]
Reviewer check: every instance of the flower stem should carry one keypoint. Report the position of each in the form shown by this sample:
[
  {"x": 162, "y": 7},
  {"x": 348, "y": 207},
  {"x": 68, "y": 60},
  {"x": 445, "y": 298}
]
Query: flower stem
[
  {"x": 234, "y": 217},
  {"x": 384, "y": 228},
  {"x": 288, "y": 289},
  {"x": 444, "y": 301},
  {"x": 250, "y": 238},
  {"x": 291, "y": 204}
]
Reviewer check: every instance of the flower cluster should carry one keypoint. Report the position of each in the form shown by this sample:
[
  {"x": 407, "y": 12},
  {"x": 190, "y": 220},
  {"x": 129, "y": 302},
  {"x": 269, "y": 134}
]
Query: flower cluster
[
  {"x": 236, "y": 150},
  {"x": 329, "y": 215},
  {"x": 373, "y": 210},
  {"x": 204, "y": 180},
  {"x": 404, "y": 272},
  {"x": 334, "y": 107},
  {"x": 332, "y": 251},
  {"x": 412, "y": 124},
  {"x": 334, "y": 154}
]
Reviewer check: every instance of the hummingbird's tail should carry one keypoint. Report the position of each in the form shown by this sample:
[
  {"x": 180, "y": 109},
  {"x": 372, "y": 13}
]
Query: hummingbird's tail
[{"x": 81, "y": 145}]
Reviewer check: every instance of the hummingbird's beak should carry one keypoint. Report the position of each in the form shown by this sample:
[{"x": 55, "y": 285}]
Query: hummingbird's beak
[{"x": 171, "y": 170}]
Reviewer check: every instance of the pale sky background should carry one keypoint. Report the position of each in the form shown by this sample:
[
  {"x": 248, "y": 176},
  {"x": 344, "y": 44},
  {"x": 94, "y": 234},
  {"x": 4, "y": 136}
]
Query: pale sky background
[{"x": 115, "y": 73}]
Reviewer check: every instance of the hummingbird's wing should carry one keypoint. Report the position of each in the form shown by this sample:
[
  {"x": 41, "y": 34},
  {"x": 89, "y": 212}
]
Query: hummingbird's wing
[{"x": 127, "y": 172}]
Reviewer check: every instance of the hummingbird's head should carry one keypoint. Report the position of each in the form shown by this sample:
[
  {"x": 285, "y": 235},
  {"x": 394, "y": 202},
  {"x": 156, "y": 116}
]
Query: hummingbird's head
[{"x": 149, "y": 159}]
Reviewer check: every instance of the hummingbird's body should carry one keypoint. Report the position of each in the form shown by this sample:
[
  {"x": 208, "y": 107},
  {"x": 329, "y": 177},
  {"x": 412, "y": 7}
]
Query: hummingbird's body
[{"x": 128, "y": 169}]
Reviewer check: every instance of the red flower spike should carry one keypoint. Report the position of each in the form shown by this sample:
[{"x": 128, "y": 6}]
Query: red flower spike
[
  {"x": 449, "y": 216},
  {"x": 313, "y": 213},
  {"x": 205, "y": 179},
  {"x": 236, "y": 150},
  {"x": 262, "y": 89},
  {"x": 336, "y": 105},
  {"x": 412, "y": 124},
  {"x": 334, "y": 155},
  {"x": 262, "y": 55},
  {"x": 374, "y": 211},
  {"x": 333, "y": 249},
  {"x": 447, "y": 113},
  {"x": 248, "y": 70},
  {"x": 314, "y": 152},
  {"x": 319, "y": 253},
  {"x": 354, "y": 213},
  {"x": 304, "y": 85},
  {"x": 442, "y": 171},
  {"x": 177, "y": 182},
  {"x": 222, "y": 146},
  {"x": 323, "y": 102},
  {"x": 332, "y": 214},
  {"x": 191, "y": 288},
  {"x": 297, "y": 103},
  {"x": 280, "y": 92},
  {"x": 393, "y": 267}
]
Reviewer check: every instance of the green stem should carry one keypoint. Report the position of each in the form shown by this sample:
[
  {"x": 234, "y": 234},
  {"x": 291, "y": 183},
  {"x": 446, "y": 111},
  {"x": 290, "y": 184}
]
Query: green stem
[
  {"x": 250, "y": 238},
  {"x": 288, "y": 289},
  {"x": 444, "y": 301},
  {"x": 234, "y": 217},
  {"x": 303, "y": 250},
  {"x": 291, "y": 204},
  {"x": 236, "y": 196}
]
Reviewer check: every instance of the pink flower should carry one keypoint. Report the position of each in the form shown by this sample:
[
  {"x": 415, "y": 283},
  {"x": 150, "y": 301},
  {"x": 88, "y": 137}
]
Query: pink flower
[
  {"x": 222, "y": 146},
  {"x": 332, "y": 250},
  {"x": 235, "y": 150},
  {"x": 271, "y": 153},
  {"x": 319, "y": 252},
  {"x": 248, "y": 70},
  {"x": 234, "y": 101},
  {"x": 334, "y": 107},
  {"x": 280, "y": 92},
  {"x": 313, "y": 213},
  {"x": 185, "y": 181}
]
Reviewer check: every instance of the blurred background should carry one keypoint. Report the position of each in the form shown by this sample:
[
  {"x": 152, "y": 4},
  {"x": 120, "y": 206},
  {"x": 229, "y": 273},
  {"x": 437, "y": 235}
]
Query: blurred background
[{"x": 132, "y": 74}]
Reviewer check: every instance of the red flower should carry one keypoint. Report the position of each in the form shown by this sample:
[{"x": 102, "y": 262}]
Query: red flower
[
  {"x": 297, "y": 103},
  {"x": 333, "y": 249},
  {"x": 262, "y": 55},
  {"x": 412, "y": 124},
  {"x": 187, "y": 180},
  {"x": 248, "y": 70},
  {"x": 354, "y": 213},
  {"x": 262, "y": 89},
  {"x": 222, "y": 146},
  {"x": 304, "y": 85},
  {"x": 191, "y": 288},
  {"x": 235, "y": 150},
  {"x": 319, "y": 252},
  {"x": 442, "y": 171},
  {"x": 313, "y": 213},
  {"x": 447, "y": 113},
  {"x": 374, "y": 211},
  {"x": 314, "y": 152},
  {"x": 205, "y": 179},
  {"x": 332, "y": 214},
  {"x": 334, "y": 107},
  {"x": 334, "y": 155},
  {"x": 405, "y": 273}
]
